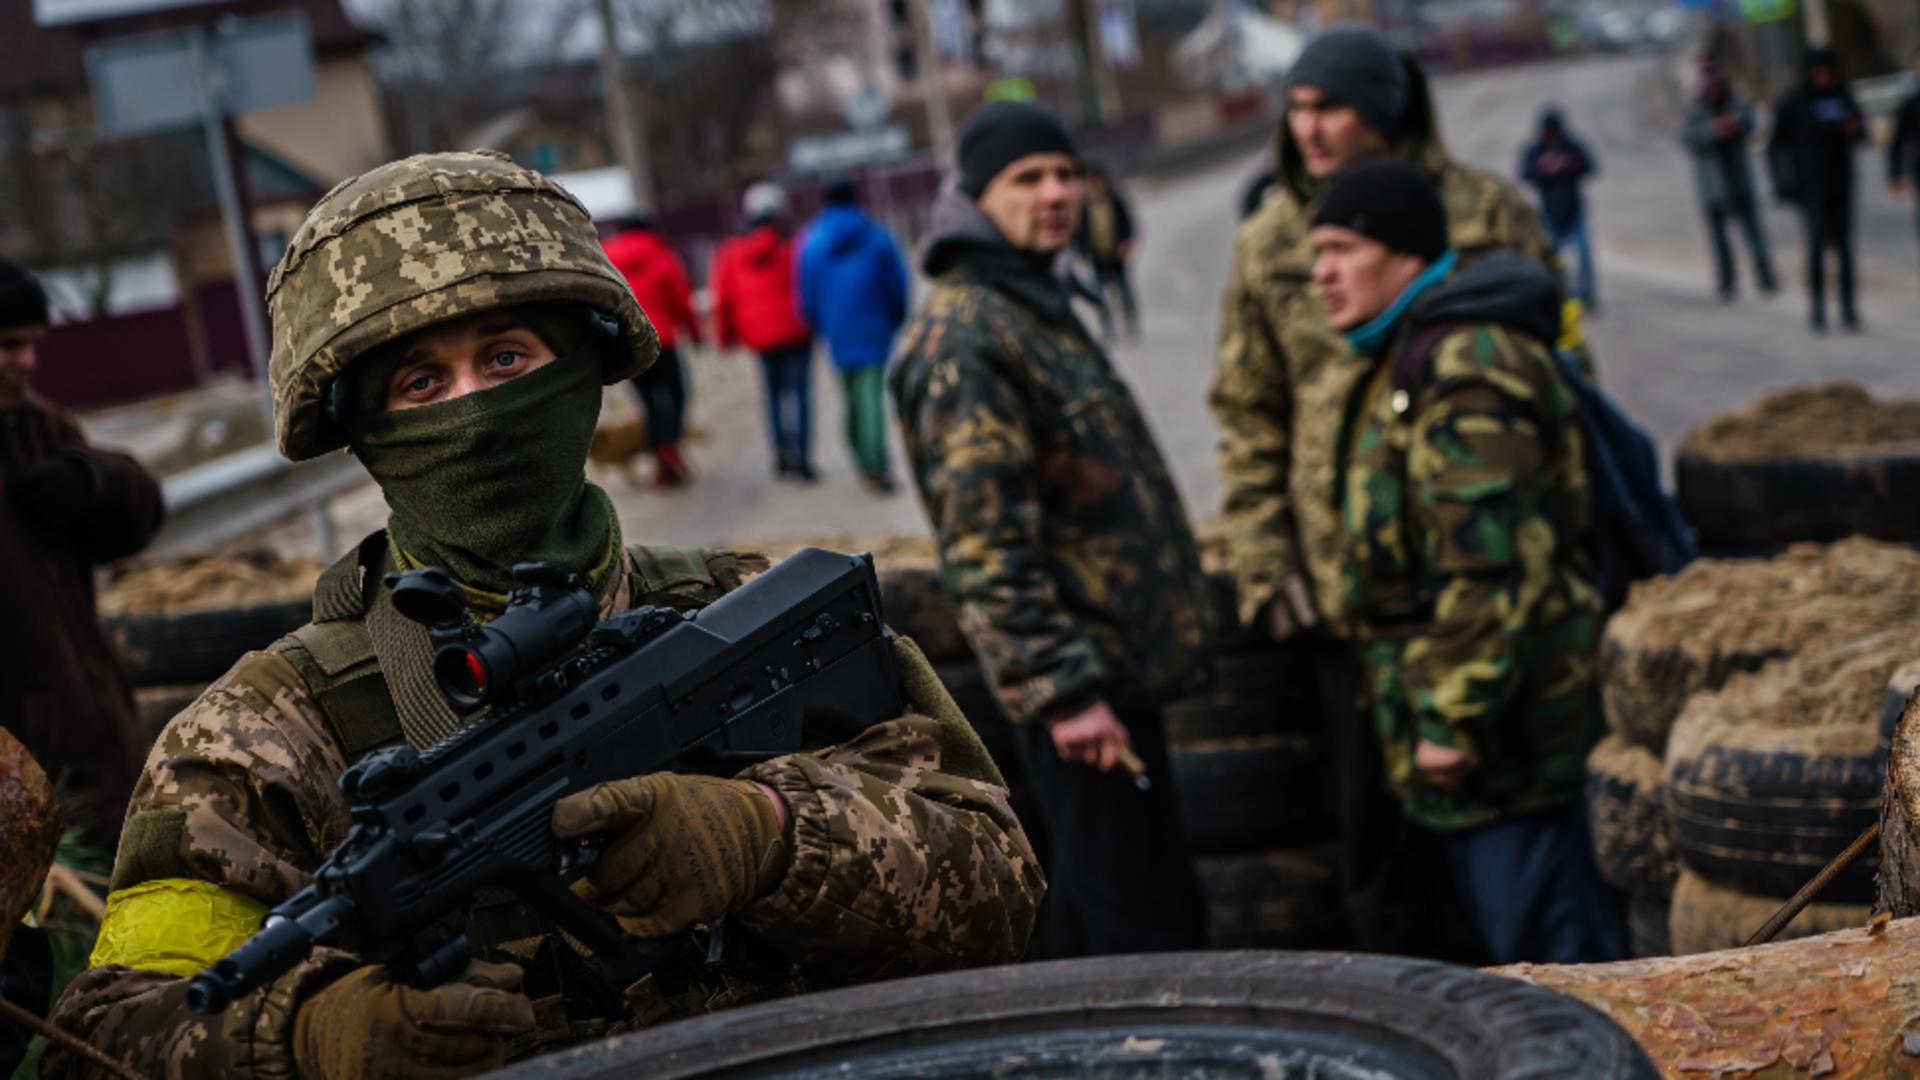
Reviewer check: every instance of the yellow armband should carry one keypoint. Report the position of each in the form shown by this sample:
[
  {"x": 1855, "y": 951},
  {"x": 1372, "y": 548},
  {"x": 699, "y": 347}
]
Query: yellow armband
[{"x": 175, "y": 925}]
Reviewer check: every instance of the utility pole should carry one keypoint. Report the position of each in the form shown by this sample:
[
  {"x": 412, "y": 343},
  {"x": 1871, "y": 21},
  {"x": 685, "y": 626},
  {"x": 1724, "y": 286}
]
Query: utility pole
[
  {"x": 1819, "y": 29},
  {"x": 933, "y": 82},
  {"x": 1103, "y": 84},
  {"x": 628, "y": 127}
]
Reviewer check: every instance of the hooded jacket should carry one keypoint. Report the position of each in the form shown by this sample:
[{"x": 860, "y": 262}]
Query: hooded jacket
[
  {"x": 659, "y": 282},
  {"x": 1722, "y": 167},
  {"x": 754, "y": 300},
  {"x": 853, "y": 286},
  {"x": 1062, "y": 539},
  {"x": 1561, "y": 203},
  {"x": 1466, "y": 509},
  {"x": 1283, "y": 372},
  {"x": 1810, "y": 152}
]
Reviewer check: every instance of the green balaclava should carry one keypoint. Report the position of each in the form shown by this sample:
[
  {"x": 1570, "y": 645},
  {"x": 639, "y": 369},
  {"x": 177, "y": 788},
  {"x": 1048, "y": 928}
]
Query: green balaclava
[{"x": 498, "y": 476}]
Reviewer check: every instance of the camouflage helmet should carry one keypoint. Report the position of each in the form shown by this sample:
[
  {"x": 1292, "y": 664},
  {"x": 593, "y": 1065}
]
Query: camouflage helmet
[{"x": 419, "y": 241}]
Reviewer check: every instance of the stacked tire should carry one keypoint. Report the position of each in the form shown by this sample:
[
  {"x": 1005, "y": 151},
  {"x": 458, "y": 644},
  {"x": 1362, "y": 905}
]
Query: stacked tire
[
  {"x": 1698, "y": 831},
  {"x": 170, "y": 658},
  {"x": 1247, "y": 762}
]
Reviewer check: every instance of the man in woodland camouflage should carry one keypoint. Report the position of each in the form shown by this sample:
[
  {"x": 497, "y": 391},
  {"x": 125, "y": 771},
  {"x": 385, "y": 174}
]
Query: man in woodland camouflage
[
  {"x": 451, "y": 320},
  {"x": 1062, "y": 540},
  {"x": 1277, "y": 394},
  {"x": 1466, "y": 516}
]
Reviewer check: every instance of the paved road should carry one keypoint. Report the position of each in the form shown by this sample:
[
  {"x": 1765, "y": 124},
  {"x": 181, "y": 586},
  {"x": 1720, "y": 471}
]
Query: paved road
[{"x": 1670, "y": 353}]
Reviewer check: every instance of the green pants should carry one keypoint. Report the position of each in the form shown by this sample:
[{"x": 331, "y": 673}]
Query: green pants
[{"x": 866, "y": 393}]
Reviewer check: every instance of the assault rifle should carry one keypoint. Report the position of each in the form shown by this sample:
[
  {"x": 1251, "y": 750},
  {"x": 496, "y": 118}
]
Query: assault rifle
[{"x": 798, "y": 655}]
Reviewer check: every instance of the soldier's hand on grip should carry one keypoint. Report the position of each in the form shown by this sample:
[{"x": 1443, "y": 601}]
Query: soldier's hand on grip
[
  {"x": 364, "y": 1026},
  {"x": 683, "y": 849}
]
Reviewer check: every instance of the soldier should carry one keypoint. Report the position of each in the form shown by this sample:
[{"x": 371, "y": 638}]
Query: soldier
[
  {"x": 1466, "y": 516},
  {"x": 451, "y": 319},
  {"x": 1062, "y": 540},
  {"x": 1281, "y": 378}
]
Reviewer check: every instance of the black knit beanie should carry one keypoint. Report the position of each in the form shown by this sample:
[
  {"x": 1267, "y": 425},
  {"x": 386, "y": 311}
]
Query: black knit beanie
[
  {"x": 22, "y": 301},
  {"x": 1001, "y": 133},
  {"x": 1358, "y": 67},
  {"x": 1389, "y": 201}
]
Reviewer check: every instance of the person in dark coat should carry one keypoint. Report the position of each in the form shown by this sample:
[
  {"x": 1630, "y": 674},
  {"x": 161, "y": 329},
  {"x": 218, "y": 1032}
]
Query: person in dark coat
[
  {"x": 1105, "y": 239},
  {"x": 65, "y": 507},
  {"x": 1816, "y": 126},
  {"x": 1717, "y": 130},
  {"x": 1903, "y": 153},
  {"x": 1556, "y": 164}
]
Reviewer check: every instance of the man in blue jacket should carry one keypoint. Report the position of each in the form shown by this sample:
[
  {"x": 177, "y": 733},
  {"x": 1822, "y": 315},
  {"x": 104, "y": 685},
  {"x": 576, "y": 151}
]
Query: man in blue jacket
[{"x": 853, "y": 290}]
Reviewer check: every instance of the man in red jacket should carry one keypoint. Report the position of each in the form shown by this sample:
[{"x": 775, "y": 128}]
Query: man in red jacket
[
  {"x": 659, "y": 282},
  {"x": 64, "y": 507},
  {"x": 756, "y": 303}
]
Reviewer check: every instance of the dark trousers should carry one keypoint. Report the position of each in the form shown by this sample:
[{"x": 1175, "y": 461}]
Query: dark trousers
[
  {"x": 1743, "y": 212},
  {"x": 1119, "y": 877},
  {"x": 26, "y": 980},
  {"x": 662, "y": 390},
  {"x": 1830, "y": 227},
  {"x": 790, "y": 403},
  {"x": 1520, "y": 889},
  {"x": 1111, "y": 277}
]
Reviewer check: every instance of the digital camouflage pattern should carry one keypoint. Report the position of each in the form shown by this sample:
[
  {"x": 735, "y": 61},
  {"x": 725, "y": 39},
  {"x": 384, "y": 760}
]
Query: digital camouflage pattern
[
  {"x": 1284, "y": 374},
  {"x": 902, "y": 862},
  {"x": 419, "y": 241},
  {"x": 1062, "y": 539},
  {"x": 1465, "y": 511}
]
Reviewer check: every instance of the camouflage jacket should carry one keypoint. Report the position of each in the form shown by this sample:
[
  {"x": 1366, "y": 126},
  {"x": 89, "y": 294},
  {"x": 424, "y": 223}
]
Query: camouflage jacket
[
  {"x": 1282, "y": 374},
  {"x": 1062, "y": 539},
  {"x": 904, "y": 858},
  {"x": 1466, "y": 513}
]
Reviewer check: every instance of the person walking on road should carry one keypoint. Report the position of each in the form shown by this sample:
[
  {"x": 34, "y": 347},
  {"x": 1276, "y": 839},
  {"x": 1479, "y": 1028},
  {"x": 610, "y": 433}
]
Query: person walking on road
[
  {"x": 756, "y": 304},
  {"x": 1718, "y": 131},
  {"x": 853, "y": 289},
  {"x": 659, "y": 282},
  {"x": 65, "y": 508},
  {"x": 1466, "y": 511},
  {"x": 1816, "y": 126},
  {"x": 1557, "y": 165},
  {"x": 1903, "y": 153},
  {"x": 1105, "y": 238},
  {"x": 1062, "y": 540},
  {"x": 1284, "y": 375}
]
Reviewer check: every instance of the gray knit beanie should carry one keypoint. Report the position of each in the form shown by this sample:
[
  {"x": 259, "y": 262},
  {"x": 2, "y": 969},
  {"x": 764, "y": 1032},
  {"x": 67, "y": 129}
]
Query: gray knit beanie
[{"x": 1357, "y": 66}]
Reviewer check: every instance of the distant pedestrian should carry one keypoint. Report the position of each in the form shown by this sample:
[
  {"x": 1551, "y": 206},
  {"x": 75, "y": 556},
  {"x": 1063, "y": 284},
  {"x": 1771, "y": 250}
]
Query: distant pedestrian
[
  {"x": 1063, "y": 541},
  {"x": 1903, "y": 154},
  {"x": 1718, "y": 130},
  {"x": 1105, "y": 238},
  {"x": 853, "y": 289},
  {"x": 1557, "y": 164},
  {"x": 659, "y": 282},
  {"x": 65, "y": 508},
  {"x": 1816, "y": 126},
  {"x": 756, "y": 304}
]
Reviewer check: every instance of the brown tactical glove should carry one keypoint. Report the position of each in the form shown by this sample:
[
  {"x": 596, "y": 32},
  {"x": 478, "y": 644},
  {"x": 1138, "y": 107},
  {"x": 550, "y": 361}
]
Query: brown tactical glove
[
  {"x": 685, "y": 849},
  {"x": 364, "y": 1026}
]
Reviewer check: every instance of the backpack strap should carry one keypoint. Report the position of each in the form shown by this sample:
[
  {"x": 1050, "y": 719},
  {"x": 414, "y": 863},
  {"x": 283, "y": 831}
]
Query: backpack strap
[
  {"x": 1410, "y": 363},
  {"x": 336, "y": 658}
]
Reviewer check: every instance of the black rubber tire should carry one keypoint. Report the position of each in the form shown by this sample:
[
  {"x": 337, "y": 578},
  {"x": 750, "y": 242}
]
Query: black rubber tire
[
  {"x": 198, "y": 647},
  {"x": 1269, "y": 691},
  {"x": 1643, "y": 690},
  {"x": 1648, "y": 933},
  {"x": 1238, "y": 1014},
  {"x": 1706, "y": 917},
  {"x": 1254, "y": 794},
  {"x": 1754, "y": 504},
  {"x": 915, "y": 604},
  {"x": 1629, "y": 818},
  {"x": 1765, "y": 821},
  {"x": 1273, "y": 900}
]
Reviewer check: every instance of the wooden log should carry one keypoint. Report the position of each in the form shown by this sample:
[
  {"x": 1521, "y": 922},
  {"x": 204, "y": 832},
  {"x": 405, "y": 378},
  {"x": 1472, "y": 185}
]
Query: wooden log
[
  {"x": 1841, "y": 1005},
  {"x": 29, "y": 831},
  {"x": 1899, "y": 881}
]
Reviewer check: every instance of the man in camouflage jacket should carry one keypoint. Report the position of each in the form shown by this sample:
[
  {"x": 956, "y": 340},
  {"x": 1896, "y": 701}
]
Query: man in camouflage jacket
[
  {"x": 451, "y": 319},
  {"x": 1062, "y": 539},
  {"x": 1466, "y": 514},
  {"x": 1281, "y": 380}
]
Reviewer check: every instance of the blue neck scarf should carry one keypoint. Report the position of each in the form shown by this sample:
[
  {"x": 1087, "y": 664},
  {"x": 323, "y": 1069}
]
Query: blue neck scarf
[{"x": 1371, "y": 337}]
